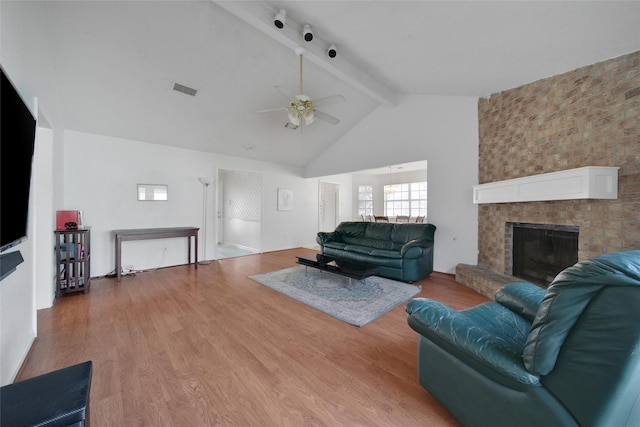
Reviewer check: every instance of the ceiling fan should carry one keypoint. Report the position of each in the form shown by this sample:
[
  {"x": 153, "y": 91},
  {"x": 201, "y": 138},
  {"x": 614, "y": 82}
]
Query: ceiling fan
[{"x": 302, "y": 110}]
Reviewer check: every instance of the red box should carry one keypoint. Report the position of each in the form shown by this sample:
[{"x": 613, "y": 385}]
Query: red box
[{"x": 64, "y": 217}]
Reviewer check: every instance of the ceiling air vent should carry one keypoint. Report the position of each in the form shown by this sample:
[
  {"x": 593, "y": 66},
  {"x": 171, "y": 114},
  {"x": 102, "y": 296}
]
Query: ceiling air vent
[{"x": 184, "y": 89}]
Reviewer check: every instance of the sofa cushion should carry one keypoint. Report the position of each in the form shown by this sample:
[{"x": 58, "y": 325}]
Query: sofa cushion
[
  {"x": 351, "y": 229},
  {"x": 392, "y": 263},
  {"x": 336, "y": 245},
  {"x": 370, "y": 243},
  {"x": 378, "y": 231},
  {"x": 382, "y": 253},
  {"x": 566, "y": 298},
  {"x": 403, "y": 233},
  {"x": 368, "y": 234},
  {"x": 365, "y": 250}
]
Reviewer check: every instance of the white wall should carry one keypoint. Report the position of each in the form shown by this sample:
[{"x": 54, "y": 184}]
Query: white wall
[
  {"x": 17, "y": 312},
  {"x": 102, "y": 183},
  {"x": 45, "y": 223},
  {"x": 441, "y": 130},
  {"x": 24, "y": 56},
  {"x": 19, "y": 290}
]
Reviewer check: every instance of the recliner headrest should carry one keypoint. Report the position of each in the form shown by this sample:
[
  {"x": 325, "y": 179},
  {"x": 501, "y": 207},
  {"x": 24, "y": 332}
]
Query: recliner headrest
[{"x": 565, "y": 299}]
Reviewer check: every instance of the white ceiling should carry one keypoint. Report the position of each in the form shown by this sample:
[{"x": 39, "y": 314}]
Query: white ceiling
[{"x": 116, "y": 62}]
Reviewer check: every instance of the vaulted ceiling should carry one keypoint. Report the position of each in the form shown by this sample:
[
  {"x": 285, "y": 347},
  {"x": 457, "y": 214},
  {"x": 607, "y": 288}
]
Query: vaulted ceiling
[{"x": 115, "y": 62}]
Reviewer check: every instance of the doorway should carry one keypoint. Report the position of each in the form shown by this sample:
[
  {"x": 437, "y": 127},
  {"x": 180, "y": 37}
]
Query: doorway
[
  {"x": 328, "y": 213},
  {"x": 239, "y": 213}
]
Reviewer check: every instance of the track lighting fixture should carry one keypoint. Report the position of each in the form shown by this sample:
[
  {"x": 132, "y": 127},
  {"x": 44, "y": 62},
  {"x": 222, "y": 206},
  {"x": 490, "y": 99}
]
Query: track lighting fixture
[
  {"x": 280, "y": 19},
  {"x": 306, "y": 33},
  {"x": 332, "y": 51}
]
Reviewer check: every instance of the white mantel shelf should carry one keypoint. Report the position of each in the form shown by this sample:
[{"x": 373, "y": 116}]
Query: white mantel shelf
[{"x": 590, "y": 182}]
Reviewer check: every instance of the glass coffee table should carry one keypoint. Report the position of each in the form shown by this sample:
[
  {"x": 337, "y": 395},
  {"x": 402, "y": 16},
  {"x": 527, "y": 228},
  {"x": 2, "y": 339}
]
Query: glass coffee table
[{"x": 339, "y": 266}]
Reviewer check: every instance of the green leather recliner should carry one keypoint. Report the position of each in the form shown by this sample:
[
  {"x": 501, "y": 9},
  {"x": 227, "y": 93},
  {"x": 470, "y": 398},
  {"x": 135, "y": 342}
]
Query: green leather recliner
[
  {"x": 400, "y": 251},
  {"x": 567, "y": 356}
]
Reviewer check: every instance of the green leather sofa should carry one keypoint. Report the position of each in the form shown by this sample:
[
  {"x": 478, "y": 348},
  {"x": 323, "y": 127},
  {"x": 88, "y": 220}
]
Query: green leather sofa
[
  {"x": 400, "y": 251},
  {"x": 567, "y": 356}
]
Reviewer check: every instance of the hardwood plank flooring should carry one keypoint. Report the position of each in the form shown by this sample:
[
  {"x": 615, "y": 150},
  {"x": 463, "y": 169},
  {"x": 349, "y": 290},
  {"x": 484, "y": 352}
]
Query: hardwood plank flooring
[{"x": 185, "y": 347}]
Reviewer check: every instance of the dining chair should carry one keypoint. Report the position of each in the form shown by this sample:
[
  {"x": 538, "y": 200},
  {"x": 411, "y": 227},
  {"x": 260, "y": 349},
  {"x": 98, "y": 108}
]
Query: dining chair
[
  {"x": 402, "y": 218},
  {"x": 381, "y": 218},
  {"x": 420, "y": 218}
]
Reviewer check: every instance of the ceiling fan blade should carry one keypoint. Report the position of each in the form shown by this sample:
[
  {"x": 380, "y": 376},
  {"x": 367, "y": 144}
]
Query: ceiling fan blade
[
  {"x": 326, "y": 117},
  {"x": 270, "y": 110},
  {"x": 286, "y": 92},
  {"x": 329, "y": 100}
]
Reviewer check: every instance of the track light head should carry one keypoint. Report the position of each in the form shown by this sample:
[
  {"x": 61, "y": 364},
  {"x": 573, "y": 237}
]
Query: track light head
[
  {"x": 279, "y": 20},
  {"x": 331, "y": 52},
  {"x": 306, "y": 33}
]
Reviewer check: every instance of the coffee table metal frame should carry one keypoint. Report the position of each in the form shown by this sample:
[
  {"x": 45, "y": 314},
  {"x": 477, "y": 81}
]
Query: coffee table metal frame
[{"x": 339, "y": 266}]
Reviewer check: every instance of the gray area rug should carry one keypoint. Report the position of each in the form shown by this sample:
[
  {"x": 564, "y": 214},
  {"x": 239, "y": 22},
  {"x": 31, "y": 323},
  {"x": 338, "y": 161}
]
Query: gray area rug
[{"x": 357, "y": 303}]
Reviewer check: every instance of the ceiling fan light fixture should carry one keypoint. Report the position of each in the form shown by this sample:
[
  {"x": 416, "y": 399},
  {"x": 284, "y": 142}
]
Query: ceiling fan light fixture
[
  {"x": 388, "y": 189},
  {"x": 294, "y": 118},
  {"x": 302, "y": 110},
  {"x": 309, "y": 117}
]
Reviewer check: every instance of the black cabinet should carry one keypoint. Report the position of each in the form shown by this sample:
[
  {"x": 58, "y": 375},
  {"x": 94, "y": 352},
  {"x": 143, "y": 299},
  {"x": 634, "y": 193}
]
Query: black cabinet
[{"x": 73, "y": 261}]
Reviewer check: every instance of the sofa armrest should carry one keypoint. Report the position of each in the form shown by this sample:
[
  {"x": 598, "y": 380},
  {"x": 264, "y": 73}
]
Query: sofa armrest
[
  {"x": 465, "y": 336},
  {"x": 326, "y": 236},
  {"x": 521, "y": 297},
  {"x": 419, "y": 244}
]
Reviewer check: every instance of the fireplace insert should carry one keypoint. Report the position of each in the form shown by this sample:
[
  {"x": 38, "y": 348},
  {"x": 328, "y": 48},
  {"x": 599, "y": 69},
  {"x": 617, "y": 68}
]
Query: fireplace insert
[{"x": 541, "y": 251}]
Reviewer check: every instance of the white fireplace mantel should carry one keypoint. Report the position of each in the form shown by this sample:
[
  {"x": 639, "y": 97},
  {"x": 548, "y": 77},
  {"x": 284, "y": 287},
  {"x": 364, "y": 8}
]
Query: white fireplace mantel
[{"x": 590, "y": 182}]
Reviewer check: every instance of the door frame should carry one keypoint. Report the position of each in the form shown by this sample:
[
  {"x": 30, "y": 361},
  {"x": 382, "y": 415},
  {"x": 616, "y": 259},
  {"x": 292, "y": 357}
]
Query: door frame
[{"x": 322, "y": 187}]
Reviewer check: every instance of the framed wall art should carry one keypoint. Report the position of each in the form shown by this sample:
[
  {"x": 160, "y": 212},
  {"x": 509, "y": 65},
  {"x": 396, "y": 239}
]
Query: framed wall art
[{"x": 285, "y": 199}]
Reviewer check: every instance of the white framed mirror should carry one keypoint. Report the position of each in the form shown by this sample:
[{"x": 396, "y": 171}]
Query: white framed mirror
[{"x": 153, "y": 192}]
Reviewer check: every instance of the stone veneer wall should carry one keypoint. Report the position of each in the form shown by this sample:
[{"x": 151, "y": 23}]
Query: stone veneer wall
[{"x": 586, "y": 117}]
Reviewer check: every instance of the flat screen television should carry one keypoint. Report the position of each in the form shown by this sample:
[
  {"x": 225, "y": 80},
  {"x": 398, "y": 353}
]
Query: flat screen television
[{"x": 17, "y": 141}]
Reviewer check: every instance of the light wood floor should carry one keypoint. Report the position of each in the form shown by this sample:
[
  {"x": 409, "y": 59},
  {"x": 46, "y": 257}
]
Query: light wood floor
[{"x": 186, "y": 347}]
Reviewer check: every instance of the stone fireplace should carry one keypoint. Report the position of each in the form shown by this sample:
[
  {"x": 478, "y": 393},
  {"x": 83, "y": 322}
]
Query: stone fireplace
[{"x": 586, "y": 117}]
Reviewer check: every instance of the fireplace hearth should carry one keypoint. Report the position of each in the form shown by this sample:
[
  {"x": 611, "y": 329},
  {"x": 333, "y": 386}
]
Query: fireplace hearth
[{"x": 541, "y": 251}]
